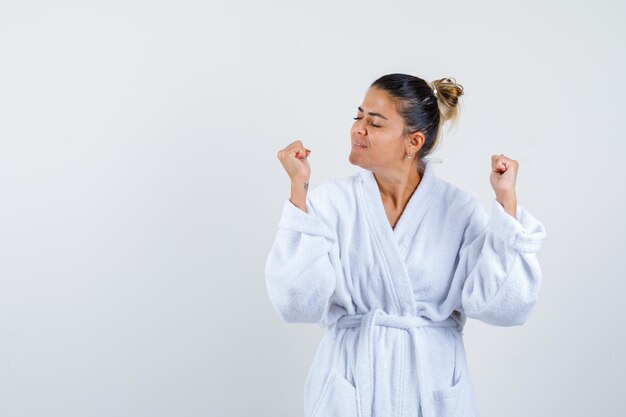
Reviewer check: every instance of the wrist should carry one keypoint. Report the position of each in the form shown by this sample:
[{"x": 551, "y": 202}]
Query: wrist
[
  {"x": 299, "y": 183},
  {"x": 299, "y": 178},
  {"x": 504, "y": 196}
]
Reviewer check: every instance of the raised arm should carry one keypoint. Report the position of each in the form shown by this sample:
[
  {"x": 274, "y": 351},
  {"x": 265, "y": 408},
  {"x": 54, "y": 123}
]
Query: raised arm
[
  {"x": 299, "y": 271},
  {"x": 497, "y": 261}
]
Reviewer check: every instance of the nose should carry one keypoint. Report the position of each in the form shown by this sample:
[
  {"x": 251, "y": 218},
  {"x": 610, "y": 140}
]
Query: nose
[{"x": 359, "y": 127}]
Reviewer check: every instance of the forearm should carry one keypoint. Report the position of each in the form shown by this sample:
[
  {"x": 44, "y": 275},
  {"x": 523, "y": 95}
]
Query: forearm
[
  {"x": 509, "y": 202},
  {"x": 299, "y": 188}
]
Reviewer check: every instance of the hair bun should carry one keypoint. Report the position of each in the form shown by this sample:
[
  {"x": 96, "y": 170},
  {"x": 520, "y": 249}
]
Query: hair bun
[{"x": 448, "y": 92}]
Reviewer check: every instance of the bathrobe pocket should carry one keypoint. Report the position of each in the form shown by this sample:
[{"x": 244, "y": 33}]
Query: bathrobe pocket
[
  {"x": 447, "y": 401},
  {"x": 338, "y": 397}
]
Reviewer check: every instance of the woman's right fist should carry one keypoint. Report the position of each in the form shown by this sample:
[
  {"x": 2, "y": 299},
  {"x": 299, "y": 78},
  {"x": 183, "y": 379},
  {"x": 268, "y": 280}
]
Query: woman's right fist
[{"x": 294, "y": 159}]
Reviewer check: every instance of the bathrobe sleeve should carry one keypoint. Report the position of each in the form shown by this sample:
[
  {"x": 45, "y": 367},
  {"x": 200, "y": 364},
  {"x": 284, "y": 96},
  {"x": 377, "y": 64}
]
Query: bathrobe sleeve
[
  {"x": 498, "y": 265},
  {"x": 299, "y": 273}
]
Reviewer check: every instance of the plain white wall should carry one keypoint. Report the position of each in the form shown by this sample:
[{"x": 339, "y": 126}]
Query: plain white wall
[{"x": 140, "y": 192}]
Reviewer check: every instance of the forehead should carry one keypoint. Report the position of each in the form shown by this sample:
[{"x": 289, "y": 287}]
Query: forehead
[{"x": 379, "y": 101}]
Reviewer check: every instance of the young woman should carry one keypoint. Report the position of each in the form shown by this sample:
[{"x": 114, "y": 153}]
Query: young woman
[{"x": 393, "y": 259}]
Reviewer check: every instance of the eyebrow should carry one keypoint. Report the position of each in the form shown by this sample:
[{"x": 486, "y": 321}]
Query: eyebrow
[{"x": 372, "y": 113}]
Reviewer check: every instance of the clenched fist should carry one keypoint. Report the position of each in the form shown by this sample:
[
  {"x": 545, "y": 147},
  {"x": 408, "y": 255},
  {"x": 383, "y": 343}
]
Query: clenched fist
[
  {"x": 294, "y": 159},
  {"x": 502, "y": 178}
]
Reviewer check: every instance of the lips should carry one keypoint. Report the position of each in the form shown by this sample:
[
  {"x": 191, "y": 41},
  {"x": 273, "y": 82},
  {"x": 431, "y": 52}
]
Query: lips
[{"x": 358, "y": 144}]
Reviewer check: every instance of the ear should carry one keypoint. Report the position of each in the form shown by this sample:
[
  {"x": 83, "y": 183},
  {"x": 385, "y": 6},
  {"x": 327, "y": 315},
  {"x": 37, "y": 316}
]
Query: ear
[{"x": 417, "y": 139}]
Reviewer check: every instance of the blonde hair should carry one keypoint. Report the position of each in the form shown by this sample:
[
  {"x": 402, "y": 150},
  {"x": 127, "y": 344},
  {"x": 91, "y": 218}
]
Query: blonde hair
[{"x": 448, "y": 94}]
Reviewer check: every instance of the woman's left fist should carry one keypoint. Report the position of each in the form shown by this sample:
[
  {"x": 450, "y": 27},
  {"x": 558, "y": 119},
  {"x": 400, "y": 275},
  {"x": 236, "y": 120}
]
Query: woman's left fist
[{"x": 503, "y": 176}]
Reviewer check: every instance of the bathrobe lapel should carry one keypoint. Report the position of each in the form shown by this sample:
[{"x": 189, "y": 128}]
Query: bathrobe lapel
[{"x": 393, "y": 242}]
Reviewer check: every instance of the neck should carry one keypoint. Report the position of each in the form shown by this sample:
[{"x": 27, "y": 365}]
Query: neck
[{"x": 396, "y": 187}]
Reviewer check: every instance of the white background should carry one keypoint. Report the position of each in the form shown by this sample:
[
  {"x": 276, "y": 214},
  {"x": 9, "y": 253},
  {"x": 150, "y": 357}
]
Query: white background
[{"x": 140, "y": 192}]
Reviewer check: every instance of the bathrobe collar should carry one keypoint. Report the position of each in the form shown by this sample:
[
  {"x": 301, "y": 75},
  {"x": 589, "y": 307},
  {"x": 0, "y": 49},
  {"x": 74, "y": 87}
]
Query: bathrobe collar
[{"x": 394, "y": 242}]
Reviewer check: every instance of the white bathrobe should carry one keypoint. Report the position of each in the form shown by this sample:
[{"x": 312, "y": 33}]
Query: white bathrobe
[{"x": 394, "y": 300}]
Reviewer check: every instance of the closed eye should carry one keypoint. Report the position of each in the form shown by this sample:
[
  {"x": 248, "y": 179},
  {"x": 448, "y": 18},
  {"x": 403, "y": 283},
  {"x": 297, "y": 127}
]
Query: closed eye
[{"x": 372, "y": 124}]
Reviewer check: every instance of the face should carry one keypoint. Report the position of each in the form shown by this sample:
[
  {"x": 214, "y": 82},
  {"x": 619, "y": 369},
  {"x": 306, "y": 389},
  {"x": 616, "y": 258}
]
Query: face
[{"x": 377, "y": 140}]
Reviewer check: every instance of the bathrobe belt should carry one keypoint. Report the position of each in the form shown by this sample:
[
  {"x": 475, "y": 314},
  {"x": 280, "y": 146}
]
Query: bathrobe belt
[{"x": 364, "y": 357}]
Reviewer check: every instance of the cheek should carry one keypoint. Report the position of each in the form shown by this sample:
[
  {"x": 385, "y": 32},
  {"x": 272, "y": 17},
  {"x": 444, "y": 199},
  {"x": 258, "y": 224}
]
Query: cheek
[{"x": 387, "y": 148}]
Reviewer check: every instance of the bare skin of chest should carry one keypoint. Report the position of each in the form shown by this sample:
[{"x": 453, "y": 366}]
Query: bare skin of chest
[
  {"x": 394, "y": 211},
  {"x": 393, "y": 214}
]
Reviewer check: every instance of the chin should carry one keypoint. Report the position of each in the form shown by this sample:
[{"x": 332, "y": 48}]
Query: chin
[{"x": 354, "y": 160}]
